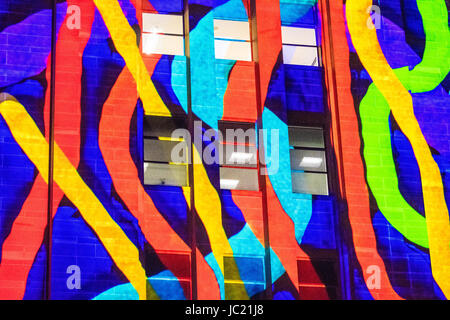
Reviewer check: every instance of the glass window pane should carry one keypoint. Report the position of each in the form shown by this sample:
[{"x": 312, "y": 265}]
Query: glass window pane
[
  {"x": 155, "y": 126},
  {"x": 172, "y": 285},
  {"x": 165, "y": 174},
  {"x": 251, "y": 269},
  {"x": 229, "y": 29},
  {"x": 309, "y": 183},
  {"x": 233, "y": 50},
  {"x": 239, "y": 179},
  {"x": 315, "y": 293},
  {"x": 307, "y": 273},
  {"x": 161, "y": 151},
  {"x": 301, "y": 56},
  {"x": 232, "y": 290},
  {"x": 306, "y": 137},
  {"x": 308, "y": 160},
  {"x": 238, "y": 132},
  {"x": 153, "y": 43},
  {"x": 162, "y": 23},
  {"x": 299, "y": 36},
  {"x": 181, "y": 263},
  {"x": 239, "y": 155}
]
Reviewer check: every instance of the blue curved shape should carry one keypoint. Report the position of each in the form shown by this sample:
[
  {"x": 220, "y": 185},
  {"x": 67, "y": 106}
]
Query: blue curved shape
[
  {"x": 21, "y": 63},
  {"x": 297, "y": 12},
  {"x": 251, "y": 247},
  {"x": 404, "y": 262},
  {"x": 297, "y": 206},
  {"x": 209, "y": 78},
  {"x": 165, "y": 284}
]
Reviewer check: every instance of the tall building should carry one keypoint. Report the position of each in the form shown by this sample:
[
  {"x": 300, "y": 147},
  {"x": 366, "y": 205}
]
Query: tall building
[{"x": 224, "y": 149}]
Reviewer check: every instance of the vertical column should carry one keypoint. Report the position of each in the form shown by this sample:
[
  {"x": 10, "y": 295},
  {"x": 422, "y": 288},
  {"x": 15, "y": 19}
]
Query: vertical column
[
  {"x": 332, "y": 96},
  {"x": 202, "y": 107},
  {"x": 260, "y": 107},
  {"x": 51, "y": 151},
  {"x": 64, "y": 130},
  {"x": 270, "y": 83},
  {"x": 192, "y": 214}
]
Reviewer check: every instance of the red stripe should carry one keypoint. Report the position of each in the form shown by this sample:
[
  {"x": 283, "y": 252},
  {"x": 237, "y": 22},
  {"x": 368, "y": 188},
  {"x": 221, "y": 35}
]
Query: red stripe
[
  {"x": 239, "y": 103},
  {"x": 114, "y": 144},
  {"x": 27, "y": 233},
  {"x": 281, "y": 230},
  {"x": 247, "y": 7},
  {"x": 350, "y": 164},
  {"x": 269, "y": 42}
]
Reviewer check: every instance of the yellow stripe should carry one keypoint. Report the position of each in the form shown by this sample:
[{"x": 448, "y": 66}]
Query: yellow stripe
[
  {"x": 400, "y": 101},
  {"x": 209, "y": 209},
  {"x": 187, "y": 195},
  {"x": 124, "y": 39},
  {"x": 35, "y": 146},
  {"x": 171, "y": 139}
]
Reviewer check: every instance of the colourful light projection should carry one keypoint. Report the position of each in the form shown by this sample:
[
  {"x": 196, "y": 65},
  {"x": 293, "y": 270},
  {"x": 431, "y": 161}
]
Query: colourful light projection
[
  {"x": 389, "y": 93},
  {"x": 133, "y": 241}
]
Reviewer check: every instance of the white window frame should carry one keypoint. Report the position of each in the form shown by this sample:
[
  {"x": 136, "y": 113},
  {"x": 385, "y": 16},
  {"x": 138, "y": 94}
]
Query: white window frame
[
  {"x": 318, "y": 170},
  {"x": 232, "y": 40},
  {"x": 300, "y": 46},
  {"x": 146, "y": 163},
  {"x": 233, "y": 184},
  {"x": 162, "y": 34}
]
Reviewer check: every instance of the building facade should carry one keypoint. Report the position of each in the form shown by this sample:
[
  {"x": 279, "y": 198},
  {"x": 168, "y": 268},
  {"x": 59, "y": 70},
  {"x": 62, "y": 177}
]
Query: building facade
[{"x": 224, "y": 149}]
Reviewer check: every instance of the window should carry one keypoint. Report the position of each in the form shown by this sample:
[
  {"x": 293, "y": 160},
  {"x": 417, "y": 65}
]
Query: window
[
  {"x": 243, "y": 270},
  {"x": 308, "y": 160},
  {"x": 162, "y": 34},
  {"x": 159, "y": 167},
  {"x": 232, "y": 40},
  {"x": 181, "y": 274},
  {"x": 300, "y": 46},
  {"x": 238, "y": 158},
  {"x": 317, "y": 279}
]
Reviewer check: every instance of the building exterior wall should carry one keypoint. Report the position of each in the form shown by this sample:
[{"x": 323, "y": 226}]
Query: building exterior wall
[
  {"x": 387, "y": 186},
  {"x": 90, "y": 228}
]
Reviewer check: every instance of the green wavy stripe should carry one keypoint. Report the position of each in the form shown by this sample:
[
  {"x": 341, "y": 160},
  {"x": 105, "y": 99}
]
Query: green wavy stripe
[{"x": 374, "y": 113}]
